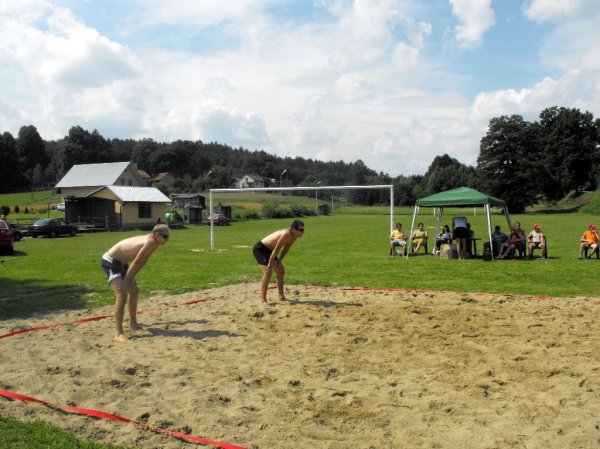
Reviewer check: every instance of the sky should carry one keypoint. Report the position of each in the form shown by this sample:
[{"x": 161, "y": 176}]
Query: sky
[{"x": 393, "y": 83}]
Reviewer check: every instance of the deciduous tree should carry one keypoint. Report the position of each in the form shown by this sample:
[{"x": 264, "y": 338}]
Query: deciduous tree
[{"x": 509, "y": 162}]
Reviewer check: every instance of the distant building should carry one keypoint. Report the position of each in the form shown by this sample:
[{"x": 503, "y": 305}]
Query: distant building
[
  {"x": 250, "y": 182},
  {"x": 188, "y": 199},
  {"x": 145, "y": 177},
  {"x": 165, "y": 178},
  {"x": 192, "y": 204},
  {"x": 112, "y": 194}
]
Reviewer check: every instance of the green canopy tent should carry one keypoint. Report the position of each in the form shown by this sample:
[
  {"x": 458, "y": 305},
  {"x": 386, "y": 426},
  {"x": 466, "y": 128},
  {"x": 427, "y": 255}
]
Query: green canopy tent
[{"x": 460, "y": 197}]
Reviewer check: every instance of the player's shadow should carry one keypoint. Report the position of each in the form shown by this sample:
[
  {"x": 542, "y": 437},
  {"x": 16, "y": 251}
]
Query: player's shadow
[
  {"x": 323, "y": 303},
  {"x": 196, "y": 335}
]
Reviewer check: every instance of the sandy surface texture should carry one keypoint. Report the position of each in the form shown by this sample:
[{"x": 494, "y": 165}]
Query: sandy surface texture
[{"x": 331, "y": 368}]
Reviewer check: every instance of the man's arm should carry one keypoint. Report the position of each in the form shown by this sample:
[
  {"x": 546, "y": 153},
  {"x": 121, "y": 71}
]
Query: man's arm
[
  {"x": 140, "y": 260},
  {"x": 285, "y": 250},
  {"x": 281, "y": 244}
]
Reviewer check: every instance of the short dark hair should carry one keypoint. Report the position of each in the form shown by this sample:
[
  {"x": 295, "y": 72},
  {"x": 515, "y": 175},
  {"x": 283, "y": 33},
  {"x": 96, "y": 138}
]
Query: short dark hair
[{"x": 296, "y": 224}]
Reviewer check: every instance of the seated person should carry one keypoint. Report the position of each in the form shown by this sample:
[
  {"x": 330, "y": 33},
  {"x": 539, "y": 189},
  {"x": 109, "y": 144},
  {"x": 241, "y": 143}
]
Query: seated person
[
  {"x": 521, "y": 246},
  {"x": 419, "y": 238},
  {"x": 445, "y": 236},
  {"x": 498, "y": 238},
  {"x": 460, "y": 234},
  {"x": 589, "y": 239},
  {"x": 512, "y": 243},
  {"x": 537, "y": 239},
  {"x": 397, "y": 238}
]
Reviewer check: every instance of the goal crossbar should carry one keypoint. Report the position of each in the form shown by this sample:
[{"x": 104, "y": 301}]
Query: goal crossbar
[{"x": 291, "y": 189}]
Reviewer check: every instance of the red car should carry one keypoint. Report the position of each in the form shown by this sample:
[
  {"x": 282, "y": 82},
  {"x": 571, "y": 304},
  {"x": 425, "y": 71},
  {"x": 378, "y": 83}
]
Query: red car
[
  {"x": 7, "y": 241},
  {"x": 218, "y": 219}
]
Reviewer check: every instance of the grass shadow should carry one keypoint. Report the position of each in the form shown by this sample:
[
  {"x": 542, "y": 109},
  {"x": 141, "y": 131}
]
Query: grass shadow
[{"x": 41, "y": 301}]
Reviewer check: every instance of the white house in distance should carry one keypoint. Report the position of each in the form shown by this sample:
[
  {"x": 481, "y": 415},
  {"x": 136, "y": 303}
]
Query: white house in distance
[
  {"x": 249, "y": 182},
  {"x": 111, "y": 195}
]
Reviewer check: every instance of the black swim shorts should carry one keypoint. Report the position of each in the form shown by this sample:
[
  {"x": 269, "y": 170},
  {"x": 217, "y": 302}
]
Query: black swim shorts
[
  {"x": 262, "y": 254},
  {"x": 113, "y": 268}
]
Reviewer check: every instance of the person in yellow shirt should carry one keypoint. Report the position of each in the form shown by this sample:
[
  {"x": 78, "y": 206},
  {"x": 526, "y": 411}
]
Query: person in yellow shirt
[
  {"x": 419, "y": 238},
  {"x": 397, "y": 238},
  {"x": 589, "y": 239}
]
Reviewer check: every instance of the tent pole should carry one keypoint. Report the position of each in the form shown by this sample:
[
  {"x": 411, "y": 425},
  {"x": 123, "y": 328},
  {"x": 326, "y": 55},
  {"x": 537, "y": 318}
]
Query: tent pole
[
  {"x": 391, "y": 208},
  {"x": 438, "y": 222},
  {"x": 489, "y": 220},
  {"x": 412, "y": 226},
  {"x": 505, "y": 210},
  {"x": 212, "y": 228}
]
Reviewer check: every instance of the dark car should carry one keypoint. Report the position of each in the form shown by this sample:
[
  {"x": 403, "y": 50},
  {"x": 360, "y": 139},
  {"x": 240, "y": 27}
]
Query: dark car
[
  {"x": 51, "y": 227},
  {"x": 16, "y": 232},
  {"x": 218, "y": 219},
  {"x": 7, "y": 241}
]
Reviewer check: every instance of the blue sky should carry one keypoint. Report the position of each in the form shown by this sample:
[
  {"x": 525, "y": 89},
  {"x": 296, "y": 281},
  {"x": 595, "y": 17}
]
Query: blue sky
[{"x": 392, "y": 82}]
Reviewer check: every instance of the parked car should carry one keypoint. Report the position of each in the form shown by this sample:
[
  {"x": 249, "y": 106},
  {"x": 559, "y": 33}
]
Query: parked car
[
  {"x": 17, "y": 233},
  {"x": 60, "y": 207},
  {"x": 7, "y": 241},
  {"x": 218, "y": 219},
  {"x": 51, "y": 227}
]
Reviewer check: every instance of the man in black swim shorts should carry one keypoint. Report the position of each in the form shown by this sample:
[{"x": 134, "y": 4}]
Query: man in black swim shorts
[{"x": 269, "y": 253}]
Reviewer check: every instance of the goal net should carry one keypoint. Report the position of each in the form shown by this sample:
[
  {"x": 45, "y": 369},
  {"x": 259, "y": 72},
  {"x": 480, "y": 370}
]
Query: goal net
[{"x": 295, "y": 189}]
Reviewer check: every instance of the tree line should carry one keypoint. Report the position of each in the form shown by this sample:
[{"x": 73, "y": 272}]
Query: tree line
[{"x": 521, "y": 162}]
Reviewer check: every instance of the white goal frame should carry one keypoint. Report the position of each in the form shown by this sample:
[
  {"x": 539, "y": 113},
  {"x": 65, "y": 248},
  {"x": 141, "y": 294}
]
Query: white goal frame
[{"x": 291, "y": 189}]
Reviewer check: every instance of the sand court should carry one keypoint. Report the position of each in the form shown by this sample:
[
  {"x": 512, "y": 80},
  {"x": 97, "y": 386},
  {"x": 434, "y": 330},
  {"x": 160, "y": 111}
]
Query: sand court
[{"x": 331, "y": 368}]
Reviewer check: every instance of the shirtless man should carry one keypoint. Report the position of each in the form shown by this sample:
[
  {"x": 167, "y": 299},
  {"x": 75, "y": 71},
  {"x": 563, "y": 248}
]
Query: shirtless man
[
  {"x": 121, "y": 264},
  {"x": 269, "y": 253}
]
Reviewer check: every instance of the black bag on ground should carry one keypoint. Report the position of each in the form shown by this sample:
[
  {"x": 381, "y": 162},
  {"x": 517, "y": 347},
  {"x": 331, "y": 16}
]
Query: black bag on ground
[{"x": 487, "y": 252}]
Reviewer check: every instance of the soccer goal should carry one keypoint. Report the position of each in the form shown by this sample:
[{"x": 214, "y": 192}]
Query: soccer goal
[{"x": 297, "y": 189}]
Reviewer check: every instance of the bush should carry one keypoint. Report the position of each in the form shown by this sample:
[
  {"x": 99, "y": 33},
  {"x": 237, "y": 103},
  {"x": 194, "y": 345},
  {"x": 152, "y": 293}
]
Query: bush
[
  {"x": 301, "y": 211},
  {"x": 276, "y": 209},
  {"x": 241, "y": 214}
]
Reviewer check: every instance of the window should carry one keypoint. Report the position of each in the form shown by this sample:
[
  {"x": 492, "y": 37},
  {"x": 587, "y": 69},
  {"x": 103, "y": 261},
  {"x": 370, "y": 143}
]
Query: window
[{"x": 144, "y": 210}]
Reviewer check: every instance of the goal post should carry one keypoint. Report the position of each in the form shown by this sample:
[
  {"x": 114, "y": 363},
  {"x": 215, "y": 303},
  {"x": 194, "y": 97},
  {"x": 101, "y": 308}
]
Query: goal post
[{"x": 296, "y": 189}]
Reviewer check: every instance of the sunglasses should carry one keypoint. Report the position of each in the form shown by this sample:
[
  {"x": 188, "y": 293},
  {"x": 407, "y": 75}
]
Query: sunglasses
[
  {"x": 300, "y": 230},
  {"x": 166, "y": 237}
]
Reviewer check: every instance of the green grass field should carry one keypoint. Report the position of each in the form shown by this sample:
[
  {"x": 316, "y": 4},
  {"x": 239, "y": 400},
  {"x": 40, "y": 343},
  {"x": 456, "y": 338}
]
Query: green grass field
[
  {"x": 349, "y": 249},
  {"x": 63, "y": 273}
]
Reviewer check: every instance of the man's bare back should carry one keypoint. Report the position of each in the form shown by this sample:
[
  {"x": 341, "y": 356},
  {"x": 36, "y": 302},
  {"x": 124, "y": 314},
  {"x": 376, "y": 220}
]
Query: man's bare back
[
  {"x": 284, "y": 237},
  {"x": 127, "y": 250}
]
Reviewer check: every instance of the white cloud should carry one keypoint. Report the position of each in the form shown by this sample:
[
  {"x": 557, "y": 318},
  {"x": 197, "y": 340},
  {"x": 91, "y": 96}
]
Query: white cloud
[
  {"x": 358, "y": 84},
  {"x": 578, "y": 89},
  {"x": 557, "y": 10},
  {"x": 405, "y": 57},
  {"x": 476, "y": 17},
  {"x": 571, "y": 43},
  {"x": 195, "y": 13}
]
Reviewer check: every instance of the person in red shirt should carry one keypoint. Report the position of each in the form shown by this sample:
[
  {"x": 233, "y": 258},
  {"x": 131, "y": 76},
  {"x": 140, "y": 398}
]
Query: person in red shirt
[{"x": 512, "y": 243}]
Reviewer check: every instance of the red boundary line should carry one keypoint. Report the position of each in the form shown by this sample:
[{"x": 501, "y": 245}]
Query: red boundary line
[
  {"x": 95, "y": 318},
  {"x": 109, "y": 416}
]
